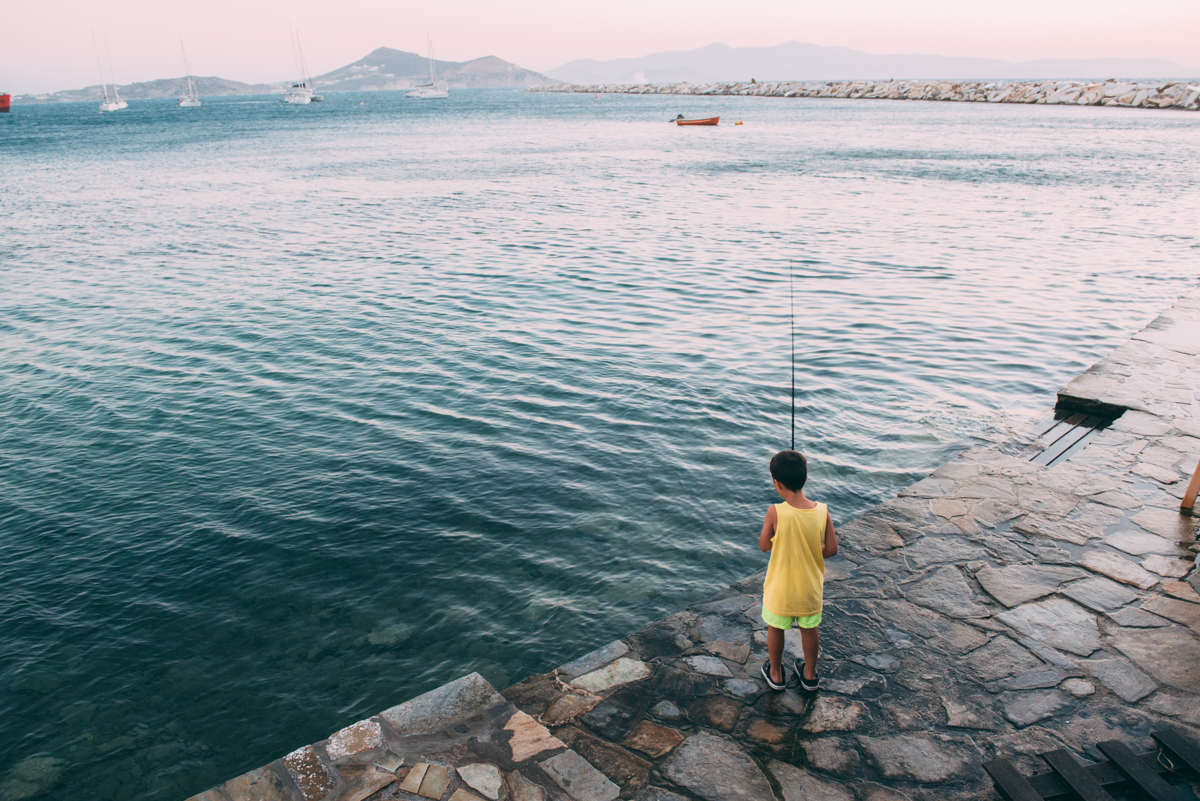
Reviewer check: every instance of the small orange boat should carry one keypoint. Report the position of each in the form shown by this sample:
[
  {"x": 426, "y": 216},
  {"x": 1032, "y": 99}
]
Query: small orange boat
[{"x": 709, "y": 121}]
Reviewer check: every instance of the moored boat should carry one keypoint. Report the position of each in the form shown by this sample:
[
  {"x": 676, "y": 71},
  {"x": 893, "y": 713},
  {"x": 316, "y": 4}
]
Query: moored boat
[
  {"x": 708, "y": 121},
  {"x": 437, "y": 88},
  {"x": 5, "y": 100},
  {"x": 191, "y": 99}
]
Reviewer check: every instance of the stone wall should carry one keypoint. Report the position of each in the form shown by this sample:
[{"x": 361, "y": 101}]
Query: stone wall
[{"x": 1131, "y": 94}]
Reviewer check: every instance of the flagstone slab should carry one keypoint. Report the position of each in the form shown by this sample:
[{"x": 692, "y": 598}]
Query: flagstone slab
[
  {"x": 1141, "y": 543},
  {"x": 831, "y": 754},
  {"x": 1057, "y": 623},
  {"x": 520, "y": 788},
  {"x": 1169, "y": 524},
  {"x": 1080, "y": 688},
  {"x": 569, "y": 707},
  {"x": 727, "y": 650},
  {"x": 1181, "y": 612},
  {"x": 714, "y": 628},
  {"x": 1171, "y": 655},
  {"x": 355, "y": 739},
  {"x": 576, "y": 775},
  {"x": 798, "y": 784},
  {"x": 437, "y": 779},
  {"x": 1136, "y": 619},
  {"x": 594, "y": 660},
  {"x": 653, "y": 739},
  {"x": 1062, "y": 530},
  {"x": 461, "y": 795},
  {"x": 1100, "y": 594},
  {"x": 309, "y": 773},
  {"x": 929, "y": 551},
  {"x": 946, "y": 591},
  {"x": 1181, "y": 590},
  {"x": 529, "y": 738},
  {"x": 930, "y": 488},
  {"x": 1168, "y": 568},
  {"x": 443, "y": 707},
  {"x": 1000, "y": 659},
  {"x": 916, "y": 758},
  {"x": 716, "y": 769},
  {"x": 708, "y": 665},
  {"x": 371, "y": 781},
  {"x": 657, "y": 794},
  {"x": 1026, "y": 708},
  {"x": 1122, "y": 570},
  {"x": 483, "y": 778},
  {"x": 1163, "y": 475},
  {"x": 263, "y": 784},
  {"x": 412, "y": 782},
  {"x": 1032, "y": 498},
  {"x": 1118, "y": 675},
  {"x": 1018, "y": 584},
  {"x": 622, "y": 671},
  {"x": 834, "y": 714}
]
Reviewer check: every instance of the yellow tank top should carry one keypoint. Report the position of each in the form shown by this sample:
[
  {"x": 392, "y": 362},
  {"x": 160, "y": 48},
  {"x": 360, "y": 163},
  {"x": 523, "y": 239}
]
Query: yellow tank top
[{"x": 796, "y": 572}]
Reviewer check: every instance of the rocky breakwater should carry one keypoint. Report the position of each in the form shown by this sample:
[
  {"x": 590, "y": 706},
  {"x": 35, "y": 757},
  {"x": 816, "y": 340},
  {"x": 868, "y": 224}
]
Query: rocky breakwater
[
  {"x": 1130, "y": 94},
  {"x": 1005, "y": 606}
]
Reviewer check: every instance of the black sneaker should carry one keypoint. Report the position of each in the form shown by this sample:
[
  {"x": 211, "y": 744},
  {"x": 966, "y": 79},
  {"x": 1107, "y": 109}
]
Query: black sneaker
[
  {"x": 809, "y": 685},
  {"x": 766, "y": 674}
]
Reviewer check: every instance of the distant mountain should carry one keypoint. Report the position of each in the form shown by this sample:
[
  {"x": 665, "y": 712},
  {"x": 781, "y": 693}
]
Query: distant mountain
[
  {"x": 799, "y": 61},
  {"x": 384, "y": 68},
  {"x": 164, "y": 87}
]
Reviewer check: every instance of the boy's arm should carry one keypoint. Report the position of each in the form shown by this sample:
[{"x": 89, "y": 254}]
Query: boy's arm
[
  {"x": 768, "y": 530},
  {"x": 829, "y": 547}
]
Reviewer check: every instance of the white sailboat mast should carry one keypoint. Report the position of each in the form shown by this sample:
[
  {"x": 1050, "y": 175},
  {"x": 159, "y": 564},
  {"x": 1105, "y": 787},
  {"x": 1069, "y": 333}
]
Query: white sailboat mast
[
  {"x": 429, "y": 45},
  {"x": 188, "y": 69},
  {"x": 100, "y": 67},
  {"x": 303, "y": 64},
  {"x": 111, "y": 73}
]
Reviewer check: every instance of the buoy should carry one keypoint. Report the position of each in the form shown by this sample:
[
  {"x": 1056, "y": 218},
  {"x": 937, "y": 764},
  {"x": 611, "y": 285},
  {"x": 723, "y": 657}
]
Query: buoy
[{"x": 739, "y": 122}]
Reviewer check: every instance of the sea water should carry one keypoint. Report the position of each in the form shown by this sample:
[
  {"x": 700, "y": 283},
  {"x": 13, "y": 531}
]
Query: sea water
[{"x": 307, "y": 410}]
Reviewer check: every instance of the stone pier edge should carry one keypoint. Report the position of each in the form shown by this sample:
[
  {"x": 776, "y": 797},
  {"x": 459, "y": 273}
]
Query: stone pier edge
[
  {"x": 1160, "y": 94},
  {"x": 993, "y": 609}
]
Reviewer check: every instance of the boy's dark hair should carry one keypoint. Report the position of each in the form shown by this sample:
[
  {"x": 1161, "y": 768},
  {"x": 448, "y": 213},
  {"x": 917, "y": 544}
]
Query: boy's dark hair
[{"x": 790, "y": 469}]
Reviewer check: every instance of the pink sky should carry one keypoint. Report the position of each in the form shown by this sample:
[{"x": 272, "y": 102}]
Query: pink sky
[{"x": 48, "y": 45}]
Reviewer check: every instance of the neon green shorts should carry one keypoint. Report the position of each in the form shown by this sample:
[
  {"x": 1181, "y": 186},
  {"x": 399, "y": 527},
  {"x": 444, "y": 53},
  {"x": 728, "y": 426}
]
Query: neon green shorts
[{"x": 785, "y": 623}]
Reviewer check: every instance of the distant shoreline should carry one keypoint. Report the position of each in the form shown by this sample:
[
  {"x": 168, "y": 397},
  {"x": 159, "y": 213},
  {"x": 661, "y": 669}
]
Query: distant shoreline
[{"x": 1163, "y": 94}]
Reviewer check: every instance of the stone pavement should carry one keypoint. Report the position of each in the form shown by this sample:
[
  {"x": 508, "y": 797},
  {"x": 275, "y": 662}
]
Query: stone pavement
[{"x": 997, "y": 608}]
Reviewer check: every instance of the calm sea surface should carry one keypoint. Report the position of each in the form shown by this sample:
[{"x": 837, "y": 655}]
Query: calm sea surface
[{"x": 308, "y": 410}]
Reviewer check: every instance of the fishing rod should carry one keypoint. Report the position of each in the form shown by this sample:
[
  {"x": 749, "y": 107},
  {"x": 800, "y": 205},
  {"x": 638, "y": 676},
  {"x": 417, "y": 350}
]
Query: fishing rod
[{"x": 792, "y": 322}]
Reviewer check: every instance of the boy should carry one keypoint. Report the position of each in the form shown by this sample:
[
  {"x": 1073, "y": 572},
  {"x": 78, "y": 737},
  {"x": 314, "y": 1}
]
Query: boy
[{"x": 799, "y": 534}]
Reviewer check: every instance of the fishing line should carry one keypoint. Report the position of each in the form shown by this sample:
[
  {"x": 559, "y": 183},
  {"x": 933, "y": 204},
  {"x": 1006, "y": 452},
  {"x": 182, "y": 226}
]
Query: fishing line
[
  {"x": 792, "y": 322},
  {"x": 792, "y": 314}
]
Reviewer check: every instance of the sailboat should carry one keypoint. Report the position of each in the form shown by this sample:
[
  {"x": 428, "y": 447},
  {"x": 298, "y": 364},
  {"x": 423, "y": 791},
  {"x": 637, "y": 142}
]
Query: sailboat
[
  {"x": 190, "y": 100},
  {"x": 300, "y": 93},
  {"x": 113, "y": 103},
  {"x": 436, "y": 89}
]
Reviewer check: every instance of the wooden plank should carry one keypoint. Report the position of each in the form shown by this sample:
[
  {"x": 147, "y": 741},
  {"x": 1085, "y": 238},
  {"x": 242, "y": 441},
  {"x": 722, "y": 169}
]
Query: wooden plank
[
  {"x": 1052, "y": 788},
  {"x": 1071, "y": 772},
  {"x": 1061, "y": 445},
  {"x": 1136, "y": 770},
  {"x": 1009, "y": 782},
  {"x": 1183, "y": 748},
  {"x": 1077, "y": 445}
]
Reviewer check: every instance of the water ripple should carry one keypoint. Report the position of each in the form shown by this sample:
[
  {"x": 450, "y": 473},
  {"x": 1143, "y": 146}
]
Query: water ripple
[{"x": 309, "y": 412}]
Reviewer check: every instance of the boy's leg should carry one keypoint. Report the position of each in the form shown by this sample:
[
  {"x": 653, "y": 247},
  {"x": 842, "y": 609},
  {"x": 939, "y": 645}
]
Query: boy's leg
[
  {"x": 810, "y": 640},
  {"x": 775, "y": 653}
]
